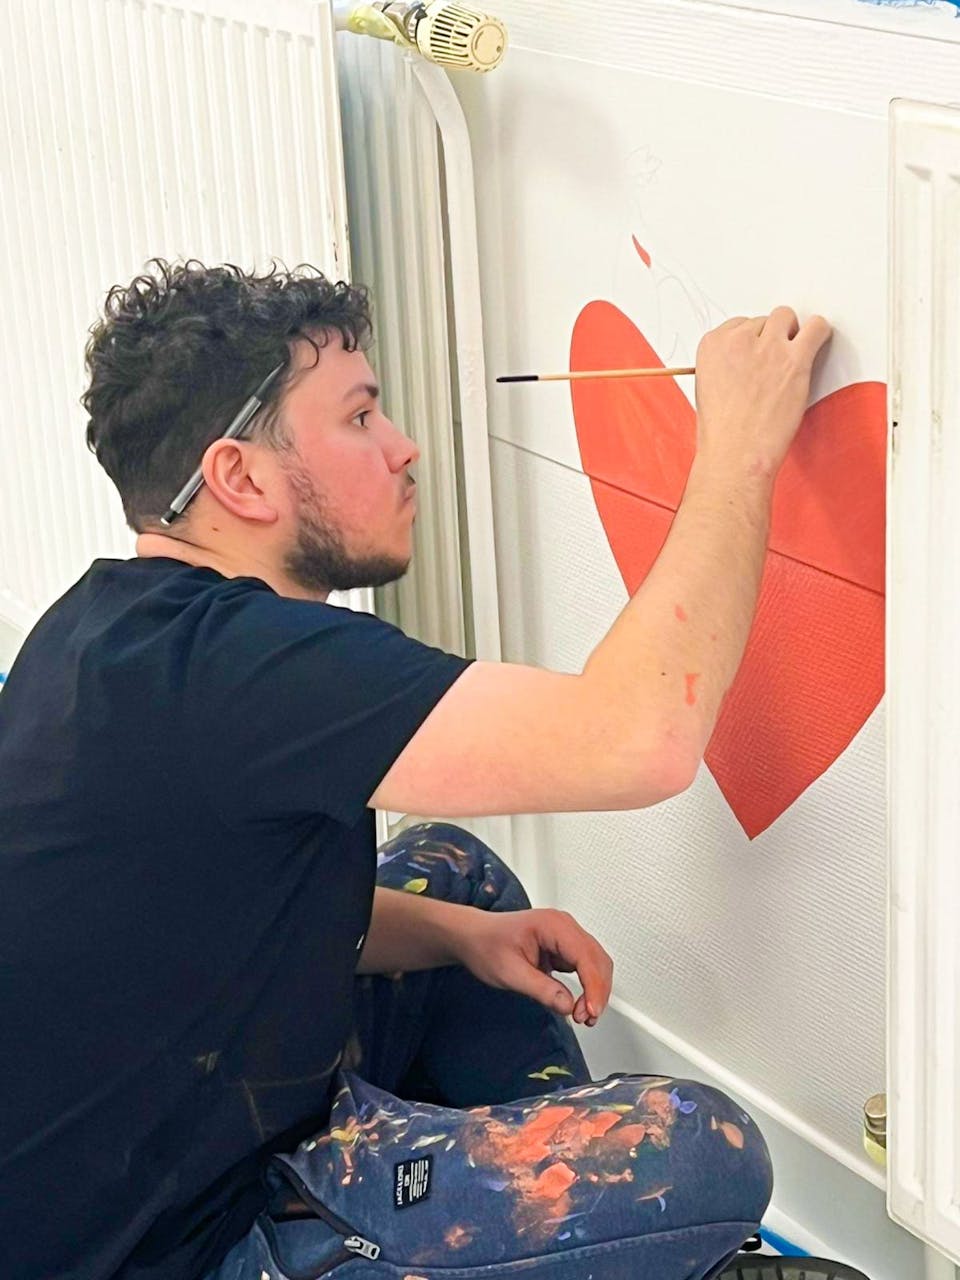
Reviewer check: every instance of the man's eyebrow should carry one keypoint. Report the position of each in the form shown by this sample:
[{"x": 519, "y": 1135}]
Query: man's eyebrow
[{"x": 371, "y": 388}]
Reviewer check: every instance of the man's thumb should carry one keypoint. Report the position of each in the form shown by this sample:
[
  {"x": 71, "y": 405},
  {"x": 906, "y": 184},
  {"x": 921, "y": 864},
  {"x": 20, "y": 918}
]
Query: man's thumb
[{"x": 551, "y": 993}]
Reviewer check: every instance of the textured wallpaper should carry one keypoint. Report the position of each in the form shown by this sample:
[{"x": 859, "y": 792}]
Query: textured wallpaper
[
  {"x": 765, "y": 954},
  {"x": 632, "y": 193}
]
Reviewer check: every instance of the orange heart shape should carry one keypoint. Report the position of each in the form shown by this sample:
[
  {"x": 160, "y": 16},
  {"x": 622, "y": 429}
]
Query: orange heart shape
[{"x": 813, "y": 669}]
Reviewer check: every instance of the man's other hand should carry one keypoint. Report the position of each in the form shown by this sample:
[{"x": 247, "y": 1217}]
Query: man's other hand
[{"x": 519, "y": 950}]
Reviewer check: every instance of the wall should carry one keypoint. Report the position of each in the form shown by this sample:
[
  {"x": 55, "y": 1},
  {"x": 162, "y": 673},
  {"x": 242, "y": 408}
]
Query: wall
[{"x": 683, "y": 162}]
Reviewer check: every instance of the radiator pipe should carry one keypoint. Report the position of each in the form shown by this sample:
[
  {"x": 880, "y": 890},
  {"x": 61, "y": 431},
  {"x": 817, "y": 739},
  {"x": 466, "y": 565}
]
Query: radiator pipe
[
  {"x": 937, "y": 1267},
  {"x": 468, "y": 330}
]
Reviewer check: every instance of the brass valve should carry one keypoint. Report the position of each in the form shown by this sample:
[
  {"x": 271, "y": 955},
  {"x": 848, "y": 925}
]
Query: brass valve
[{"x": 875, "y": 1128}]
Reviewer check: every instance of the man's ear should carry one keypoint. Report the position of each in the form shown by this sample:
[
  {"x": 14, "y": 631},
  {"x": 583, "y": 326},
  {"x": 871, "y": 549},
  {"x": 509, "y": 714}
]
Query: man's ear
[{"x": 244, "y": 478}]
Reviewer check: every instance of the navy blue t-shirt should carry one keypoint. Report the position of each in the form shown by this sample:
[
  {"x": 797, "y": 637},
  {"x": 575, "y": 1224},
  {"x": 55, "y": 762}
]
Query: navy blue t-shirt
[{"x": 187, "y": 868}]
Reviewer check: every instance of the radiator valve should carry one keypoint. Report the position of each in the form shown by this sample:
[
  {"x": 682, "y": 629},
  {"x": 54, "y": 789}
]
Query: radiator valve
[{"x": 875, "y": 1128}]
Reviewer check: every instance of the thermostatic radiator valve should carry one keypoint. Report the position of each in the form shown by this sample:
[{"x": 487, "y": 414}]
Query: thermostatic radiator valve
[{"x": 443, "y": 31}]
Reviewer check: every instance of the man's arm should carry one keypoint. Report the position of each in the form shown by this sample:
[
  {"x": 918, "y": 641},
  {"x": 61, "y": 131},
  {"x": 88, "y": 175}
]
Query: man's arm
[
  {"x": 513, "y": 950},
  {"x": 408, "y": 932},
  {"x": 630, "y": 730}
]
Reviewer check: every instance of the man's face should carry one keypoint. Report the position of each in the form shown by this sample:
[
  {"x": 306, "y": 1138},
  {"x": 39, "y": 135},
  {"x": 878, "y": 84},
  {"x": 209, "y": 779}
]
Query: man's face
[{"x": 351, "y": 493}]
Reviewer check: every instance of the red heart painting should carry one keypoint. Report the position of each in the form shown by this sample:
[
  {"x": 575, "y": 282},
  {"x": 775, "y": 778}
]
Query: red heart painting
[{"x": 813, "y": 668}]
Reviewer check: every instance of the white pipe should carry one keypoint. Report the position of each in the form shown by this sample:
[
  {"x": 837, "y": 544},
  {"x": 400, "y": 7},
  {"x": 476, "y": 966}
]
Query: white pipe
[
  {"x": 362, "y": 19},
  {"x": 341, "y": 15},
  {"x": 468, "y": 328},
  {"x": 937, "y": 1267}
]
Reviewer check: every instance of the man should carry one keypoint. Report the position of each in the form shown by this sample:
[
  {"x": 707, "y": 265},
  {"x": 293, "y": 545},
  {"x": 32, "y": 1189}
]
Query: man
[{"x": 192, "y": 745}]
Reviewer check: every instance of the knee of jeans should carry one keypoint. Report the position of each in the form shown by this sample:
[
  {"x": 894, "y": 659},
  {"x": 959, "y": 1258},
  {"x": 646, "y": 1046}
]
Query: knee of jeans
[
  {"x": 497, "y": 885},
  {"x": 713, "y": 1158},
  {"x": 742, "y": 1159},
  {"x": 447, "y": 832}
]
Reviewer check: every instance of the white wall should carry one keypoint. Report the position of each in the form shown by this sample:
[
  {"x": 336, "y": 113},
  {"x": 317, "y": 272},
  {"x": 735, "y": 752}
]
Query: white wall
[{"x": 747, "y": 154}]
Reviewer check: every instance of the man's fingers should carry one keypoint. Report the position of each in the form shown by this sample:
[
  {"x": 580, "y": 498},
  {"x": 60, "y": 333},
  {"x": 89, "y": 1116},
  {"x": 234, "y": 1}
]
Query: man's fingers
[
  {"x": 552, "y": 963},
  {"x": 576, "y": 950},
  {"x": 814, "y": 334},
  {"x": 733, "y": 322},
  {"x": 782, "y": 322}
]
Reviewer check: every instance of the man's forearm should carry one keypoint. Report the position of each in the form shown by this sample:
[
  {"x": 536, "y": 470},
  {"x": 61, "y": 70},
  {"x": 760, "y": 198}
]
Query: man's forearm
[
  {"x": 687, "y": 625},
  {"x": 409, "y": 932}
]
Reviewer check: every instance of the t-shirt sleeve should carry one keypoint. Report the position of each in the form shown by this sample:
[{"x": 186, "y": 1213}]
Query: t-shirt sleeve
[{"x": 297, "y": 708}]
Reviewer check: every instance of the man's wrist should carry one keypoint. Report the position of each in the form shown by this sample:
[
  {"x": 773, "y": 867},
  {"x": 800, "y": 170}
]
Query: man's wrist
[
  {"x": 448, "y": 924},
  {"x": 723, "y": 469},
  {"x": 722, "y": 483},
  {"x": 408, "y": 933}
]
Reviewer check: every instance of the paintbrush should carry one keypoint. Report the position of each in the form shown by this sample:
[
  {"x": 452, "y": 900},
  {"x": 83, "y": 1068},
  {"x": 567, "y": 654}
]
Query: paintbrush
[{"x": 595, "y": 373}]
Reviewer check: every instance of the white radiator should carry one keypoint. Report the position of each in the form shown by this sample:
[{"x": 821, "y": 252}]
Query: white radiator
[
  {"x": 413, "y": 240},
  {"x": 924, "y": 676},
  {"x": 134, "y": 128},
  {"x": 397, "y": 246}
]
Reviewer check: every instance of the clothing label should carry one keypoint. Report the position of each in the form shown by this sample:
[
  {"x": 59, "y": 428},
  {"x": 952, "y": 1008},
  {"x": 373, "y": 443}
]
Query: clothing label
[{"x": 411, "y": 1181}]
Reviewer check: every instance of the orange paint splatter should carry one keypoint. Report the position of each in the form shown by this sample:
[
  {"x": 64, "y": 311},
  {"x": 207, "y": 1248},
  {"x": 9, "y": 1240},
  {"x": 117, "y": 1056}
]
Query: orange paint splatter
[
  {"x": 553, "y": 1182},
  {"x": 456, "y": 1237},
  {"x": 733, "y": 1134},
  {"x": 543, "y": 1196},
  {"x": 691, "y": 678},
  {"x": 531, "y": 1143},
  {"x": 628, "y": 1136},
  {"x": 640, "y": 249},
  {"x": 681, "y": 613},
  {"x": 595, "y": 1126}
]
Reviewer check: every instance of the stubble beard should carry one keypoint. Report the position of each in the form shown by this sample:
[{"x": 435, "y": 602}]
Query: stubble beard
[{"x": 319, "y": 561}]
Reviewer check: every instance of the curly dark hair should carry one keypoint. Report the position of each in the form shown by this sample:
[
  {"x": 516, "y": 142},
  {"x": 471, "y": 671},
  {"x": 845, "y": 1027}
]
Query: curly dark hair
[{"x": 178, "y": 351}]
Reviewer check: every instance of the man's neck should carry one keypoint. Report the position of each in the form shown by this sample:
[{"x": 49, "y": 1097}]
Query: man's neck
[{"x": 229, "y": 564}]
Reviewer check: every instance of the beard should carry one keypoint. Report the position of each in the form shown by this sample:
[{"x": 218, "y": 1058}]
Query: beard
[{"x": 319, "y": 560}]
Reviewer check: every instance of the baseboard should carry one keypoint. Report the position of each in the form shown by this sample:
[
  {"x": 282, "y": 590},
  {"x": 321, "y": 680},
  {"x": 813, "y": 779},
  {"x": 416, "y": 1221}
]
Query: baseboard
[{"x": 824, "y": 1203}]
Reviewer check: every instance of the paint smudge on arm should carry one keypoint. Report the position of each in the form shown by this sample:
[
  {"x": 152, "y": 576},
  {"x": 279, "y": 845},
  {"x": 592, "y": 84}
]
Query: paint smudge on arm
[{"x": 691, "y": 678}]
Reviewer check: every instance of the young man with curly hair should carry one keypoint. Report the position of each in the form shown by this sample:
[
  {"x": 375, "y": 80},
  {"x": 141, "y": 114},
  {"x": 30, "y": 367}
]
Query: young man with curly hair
[{"x": 236, "y": 1047}]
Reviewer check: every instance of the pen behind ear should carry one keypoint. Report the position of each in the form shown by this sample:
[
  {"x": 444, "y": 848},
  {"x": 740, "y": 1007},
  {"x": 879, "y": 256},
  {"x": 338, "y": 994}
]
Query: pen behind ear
[{"x": 236, "y": 428}]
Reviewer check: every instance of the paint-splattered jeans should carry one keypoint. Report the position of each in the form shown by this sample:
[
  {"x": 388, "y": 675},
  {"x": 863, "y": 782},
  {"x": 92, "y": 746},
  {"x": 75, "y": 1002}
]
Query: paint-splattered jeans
[{"x": 467, "y": 1140}]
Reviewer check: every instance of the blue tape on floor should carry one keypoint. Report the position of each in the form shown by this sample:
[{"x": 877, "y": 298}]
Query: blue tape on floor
[
  {"x": 915, "y": 4},
  {"x": 781, "y": 1244}
]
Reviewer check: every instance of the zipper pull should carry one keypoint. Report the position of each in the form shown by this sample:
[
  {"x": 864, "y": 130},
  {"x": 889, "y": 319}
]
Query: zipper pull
[{"x": 357, "y": 1244}]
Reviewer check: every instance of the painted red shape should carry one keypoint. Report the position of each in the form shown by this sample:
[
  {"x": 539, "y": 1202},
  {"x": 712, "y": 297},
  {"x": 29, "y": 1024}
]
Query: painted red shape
[
  {"x": 640, "y": 249},
  {"x": 813, "y": 669}
]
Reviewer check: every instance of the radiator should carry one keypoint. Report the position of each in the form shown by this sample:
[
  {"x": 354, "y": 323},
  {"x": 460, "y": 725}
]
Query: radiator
[
  {"x": 397, "y": 240},
  {"x": 924, "y": 677},
  {"x": 413, "y": 240},
  {"x": 133, "y": 128}
]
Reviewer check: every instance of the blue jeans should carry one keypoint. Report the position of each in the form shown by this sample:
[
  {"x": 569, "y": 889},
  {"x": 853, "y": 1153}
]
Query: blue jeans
[{"x": 468, "y": 1141}]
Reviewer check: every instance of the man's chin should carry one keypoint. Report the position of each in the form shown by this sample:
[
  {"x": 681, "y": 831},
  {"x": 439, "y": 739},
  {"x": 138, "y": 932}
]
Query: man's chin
[
  {"x": 384, "y": 573},
  {"x": 349, "y": 577}
]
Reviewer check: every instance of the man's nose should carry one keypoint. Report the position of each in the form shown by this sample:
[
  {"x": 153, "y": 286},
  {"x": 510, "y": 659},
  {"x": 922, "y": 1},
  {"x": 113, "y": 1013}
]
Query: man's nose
[{"x": 404, "y": 450}]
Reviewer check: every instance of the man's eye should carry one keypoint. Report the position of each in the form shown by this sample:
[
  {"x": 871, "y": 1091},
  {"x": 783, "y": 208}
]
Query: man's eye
[{"x": 365, "y": 413}]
